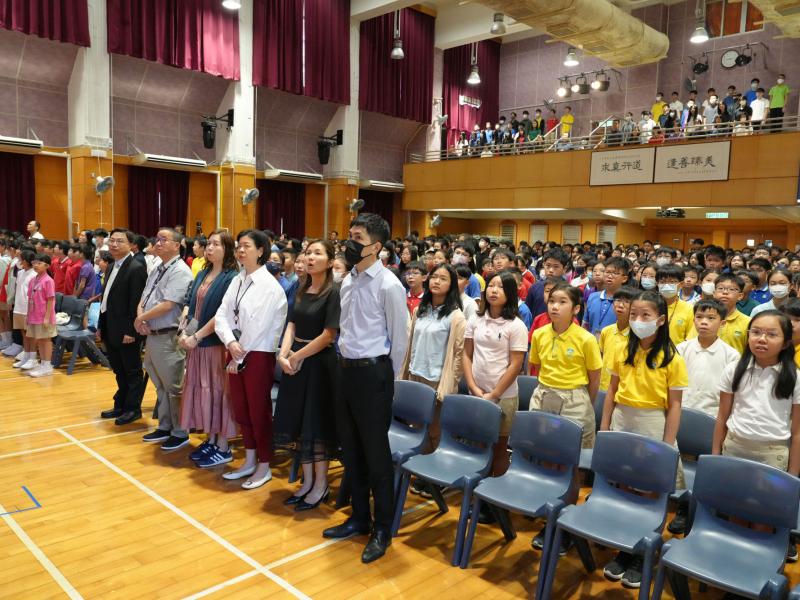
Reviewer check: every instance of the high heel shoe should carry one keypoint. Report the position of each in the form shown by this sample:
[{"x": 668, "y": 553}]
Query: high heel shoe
[
  {"x": 295, "y": 499},
  {"x": 303, "y": 505}
]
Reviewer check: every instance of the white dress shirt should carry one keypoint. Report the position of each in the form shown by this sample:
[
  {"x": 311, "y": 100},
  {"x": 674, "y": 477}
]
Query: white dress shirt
[
  {"x": 111, "y": 277},
  {"x": 262, "y": 307},
  {"x": 757, "y": 415},
  {"x": 374, "y": 320},
  {"x": 704, "y": 367}
]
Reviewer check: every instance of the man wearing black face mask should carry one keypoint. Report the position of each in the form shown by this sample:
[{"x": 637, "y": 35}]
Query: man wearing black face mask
[{"x": 373, "y": 340}]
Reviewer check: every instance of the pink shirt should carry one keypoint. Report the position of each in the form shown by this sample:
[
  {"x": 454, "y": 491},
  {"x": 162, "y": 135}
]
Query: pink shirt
[
  {"x": 493, "y": 341},
  {"x": 41, "y": 289}
]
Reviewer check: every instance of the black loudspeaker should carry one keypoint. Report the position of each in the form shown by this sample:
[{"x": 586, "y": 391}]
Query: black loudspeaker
[
  {"x": 323, "y": 152},
  {"x": 209, "y": 133}
]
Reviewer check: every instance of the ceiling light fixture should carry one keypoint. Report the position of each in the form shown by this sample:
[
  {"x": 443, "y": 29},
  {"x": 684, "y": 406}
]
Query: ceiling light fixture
[
  {"x": 474, "y": 78},
  {"x": 231, "y": 4},
  {"x": 397, "y": 43},
  {"x": 700, "y": 34},
  {"x": 601, "y": 82},
  {"x": 571, "y": 60},
  {"x": 498, "y": 26}
]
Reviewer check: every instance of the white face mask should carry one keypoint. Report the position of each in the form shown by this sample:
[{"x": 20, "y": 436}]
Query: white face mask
[
  {"x": 460, "y": 259},
  {"x": 644, "y": 329},
  {"x": 779, "y": 290},
  {"x": 780, "y": 80},
  {"x": 668, "y": 290},
  {"x": 384, "y": 254},
  {"x": 337, "y": 277},
  {"x": 648, "y": 283},
  {"x": 708, "y": 288},
  {"x": 663, "y": 260}
]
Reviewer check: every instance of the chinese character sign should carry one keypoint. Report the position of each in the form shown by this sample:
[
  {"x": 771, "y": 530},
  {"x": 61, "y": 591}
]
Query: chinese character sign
[
  {"x": 692, "y": 162},
  {"x": 620, "y": 167}
]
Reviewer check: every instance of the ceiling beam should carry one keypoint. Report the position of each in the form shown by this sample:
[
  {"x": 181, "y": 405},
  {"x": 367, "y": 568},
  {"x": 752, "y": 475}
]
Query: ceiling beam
[
  {"x": 458, "y": 25},
  {"x": 361, "y": 10}
]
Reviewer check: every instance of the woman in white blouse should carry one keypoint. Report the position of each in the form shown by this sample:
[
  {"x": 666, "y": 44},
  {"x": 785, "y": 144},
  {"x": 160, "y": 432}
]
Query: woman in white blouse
[{"x": 249, "y": 322}]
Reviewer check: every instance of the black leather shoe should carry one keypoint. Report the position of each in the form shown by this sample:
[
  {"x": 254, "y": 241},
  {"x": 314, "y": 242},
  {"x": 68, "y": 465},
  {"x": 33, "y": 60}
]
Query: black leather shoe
[
  {"x": 111, "y": 414},
  {"x": 128, "y": 417},
  {"x": 294, "y": 500},
  {"x": 347, "y": 529},
  {"x": 301, "y": 506},
  {"x": 376, "y": 546}
]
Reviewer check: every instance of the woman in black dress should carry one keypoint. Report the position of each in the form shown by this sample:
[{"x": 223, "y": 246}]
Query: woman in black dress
[{"x": 304, "y": 415}]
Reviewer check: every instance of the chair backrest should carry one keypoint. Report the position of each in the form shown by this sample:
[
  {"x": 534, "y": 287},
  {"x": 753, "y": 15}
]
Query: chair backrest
[
  {"x": 527, "y": 385},
  {"x": 598, "y": 409},
  {"x": 469, "y": 419},
  {"x": 59, "y": 299},
  {"x": 696, "y": 432},
  {"x": 635, "y": 461},
  {"x": 746, "y": 489},
  {"x": 413, "y": 402},
  {"x": 76, "y": 309}
]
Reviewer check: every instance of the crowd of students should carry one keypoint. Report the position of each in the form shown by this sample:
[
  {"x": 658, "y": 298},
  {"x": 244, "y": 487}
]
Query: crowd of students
[{"x": 657, "y": 329}]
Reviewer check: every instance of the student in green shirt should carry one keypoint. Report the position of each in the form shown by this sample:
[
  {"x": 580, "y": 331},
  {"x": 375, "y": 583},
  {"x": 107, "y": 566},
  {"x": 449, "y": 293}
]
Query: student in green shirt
[
  {"x": 751, "y": 281},
  {"x": 778, "y": 96}
]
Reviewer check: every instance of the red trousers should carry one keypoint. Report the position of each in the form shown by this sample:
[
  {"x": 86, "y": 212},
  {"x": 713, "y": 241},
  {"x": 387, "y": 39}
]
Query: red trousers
[{"x": 250, "y": 392}]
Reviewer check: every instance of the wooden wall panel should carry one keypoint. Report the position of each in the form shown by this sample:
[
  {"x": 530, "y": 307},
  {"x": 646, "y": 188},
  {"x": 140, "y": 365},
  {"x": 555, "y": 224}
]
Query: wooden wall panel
[{"x": 50, "y": 175}]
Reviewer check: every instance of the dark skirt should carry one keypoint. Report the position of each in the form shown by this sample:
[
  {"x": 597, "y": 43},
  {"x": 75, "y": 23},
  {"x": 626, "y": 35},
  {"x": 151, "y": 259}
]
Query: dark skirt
[{"x": 304, "y": 412}]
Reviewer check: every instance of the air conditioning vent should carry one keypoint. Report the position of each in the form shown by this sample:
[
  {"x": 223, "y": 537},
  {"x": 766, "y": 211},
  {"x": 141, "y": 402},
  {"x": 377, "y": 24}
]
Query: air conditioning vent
[
  {"x": 287, "y": 175},
  {"x": 20, "y": 145},
  {"x": 169, "y": 162}
]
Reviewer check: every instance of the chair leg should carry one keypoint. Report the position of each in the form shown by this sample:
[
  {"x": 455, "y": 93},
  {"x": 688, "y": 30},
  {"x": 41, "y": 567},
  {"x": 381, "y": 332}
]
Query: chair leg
[
  {"x": 462, "y": 525},
  {"x": 293, "y": 470},
  {"x": 679, "y": 585},
  {"x": 647, "y": 572},
  {"x": 585, "y": 553},
  {"x": 547, "y": 548},
  {"x": 405, "y": 480},
  {"x": 470, "y": 537},
  {"x": 396, "y": 481},
  {"x": 658, "y": 587},
  {"x": 438, "y": 498},
  {"x": 552, "y": 562},
  {"x": 73, "y": 357},
  {"x": 504, "y": 519}
]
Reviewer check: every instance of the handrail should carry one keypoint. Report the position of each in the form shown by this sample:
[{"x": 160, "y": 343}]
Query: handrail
[
  {"x": 600, "y": 125},
  {"x": 690, "y": 133},
  {"x": 557, "y": 135}
]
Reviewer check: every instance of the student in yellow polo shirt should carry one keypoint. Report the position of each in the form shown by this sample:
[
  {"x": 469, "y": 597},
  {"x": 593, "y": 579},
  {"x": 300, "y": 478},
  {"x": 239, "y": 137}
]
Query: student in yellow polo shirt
[
  {"x": 569, "y": 362},
  {"x": 614, "y": 338},
  {"x": 567, "y": 121},
  {"x": 728, "y": 290},
  {"x": 680, "y": 314}
]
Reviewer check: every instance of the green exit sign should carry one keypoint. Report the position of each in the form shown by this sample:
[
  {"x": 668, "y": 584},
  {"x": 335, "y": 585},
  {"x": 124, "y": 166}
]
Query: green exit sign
[{"x": 718, "y": 215}]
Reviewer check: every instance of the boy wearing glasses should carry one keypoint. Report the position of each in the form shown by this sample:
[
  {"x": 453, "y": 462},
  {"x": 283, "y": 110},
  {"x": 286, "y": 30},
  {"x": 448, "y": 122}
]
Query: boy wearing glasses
[{"x": 728, "y": 291}]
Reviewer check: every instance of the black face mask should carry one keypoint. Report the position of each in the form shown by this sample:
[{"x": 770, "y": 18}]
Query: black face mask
[
  {"x": 274, "y": 268},
  {"x": 352, "y": 252}
]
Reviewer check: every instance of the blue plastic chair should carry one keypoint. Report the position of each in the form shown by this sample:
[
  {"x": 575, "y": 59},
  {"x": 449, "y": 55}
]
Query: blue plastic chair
[
  {"x": 722, "y": 553},
  {"x": 533, "y": 486},
  {"x": 72, "y": 334},
  {"x": 695, "y": 436},
  {"x": 795, "y": 593},
  {"x": 615, "y": 515},
  {"x": 412, "y": 413},
  {"x": 470, "y": 428},
  {"x": 527, "y": 385},
  {"x": 586, "y": 453}
]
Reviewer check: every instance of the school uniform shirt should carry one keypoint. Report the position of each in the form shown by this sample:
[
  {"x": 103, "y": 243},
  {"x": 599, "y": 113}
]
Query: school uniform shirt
[
  {"x": 429, "y": 344},
  {"x": 21, "y": 291},
  {"x": 413, "y": 301},
  {"x": 681, "y": 321},
  {"x": 746, "y": 306},
  {"x": 797, "y": 356},
  {"x": 469, "y": 307},
  {"x": 646, "y": 388},
  {"x": 59, "y": 269},
  {"x": 761, "y": 295},
  {"x": 612, "y": 342},
  {"x": 734, "y": 332},
  {"x": 40, "y": 290},
  {"x": 599, "y": 312},
  {"x": 565, "y": 359},
  {"x": 705, "y": 367},
  {"x": 525, "y": 314},
  {"x": 769, "y": 305},
  {"x": 473, "y": 289},
  {"x": 493, "y": 342},
  {"x": 567, "y": 121},
  {"x": 692, "y": 299},
  {"x": 757, "y": 415},
  {"x": 71, "y": 276}
]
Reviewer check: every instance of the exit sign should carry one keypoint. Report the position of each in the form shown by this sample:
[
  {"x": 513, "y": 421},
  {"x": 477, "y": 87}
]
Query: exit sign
[{"x": 717, "y": 215}]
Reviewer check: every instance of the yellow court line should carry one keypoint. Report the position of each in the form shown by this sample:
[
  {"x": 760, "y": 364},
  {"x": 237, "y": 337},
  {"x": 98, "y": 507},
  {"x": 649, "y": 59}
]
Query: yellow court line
[
  {"x": 57, "y": 575},
  {"x": 189, "y": 519}
]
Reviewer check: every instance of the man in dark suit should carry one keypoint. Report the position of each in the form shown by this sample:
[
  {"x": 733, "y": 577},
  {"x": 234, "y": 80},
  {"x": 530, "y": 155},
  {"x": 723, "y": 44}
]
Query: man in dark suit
[{"x": 123, "y": 290}]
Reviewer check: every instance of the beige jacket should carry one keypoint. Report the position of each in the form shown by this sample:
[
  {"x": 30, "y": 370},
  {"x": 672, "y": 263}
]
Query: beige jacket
[{"x": 453, "y": 368}]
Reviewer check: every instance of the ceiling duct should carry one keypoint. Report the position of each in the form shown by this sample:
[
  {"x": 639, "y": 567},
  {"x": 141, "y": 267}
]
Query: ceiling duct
[
  {"x": 784, "y": 14},
  {"x": 597, "y": 27}
]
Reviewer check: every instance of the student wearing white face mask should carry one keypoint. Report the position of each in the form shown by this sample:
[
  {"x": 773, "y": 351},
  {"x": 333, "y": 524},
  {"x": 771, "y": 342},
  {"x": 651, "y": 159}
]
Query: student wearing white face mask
[
  {"x": 780, "y": 283},
  {"x": 647, "y": 276},
  {"x": 680, "y": 316}
]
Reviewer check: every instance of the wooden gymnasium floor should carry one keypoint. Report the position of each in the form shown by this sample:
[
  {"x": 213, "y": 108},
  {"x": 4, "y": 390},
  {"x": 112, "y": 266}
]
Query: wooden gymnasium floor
[{"x": 120, "y": 519}]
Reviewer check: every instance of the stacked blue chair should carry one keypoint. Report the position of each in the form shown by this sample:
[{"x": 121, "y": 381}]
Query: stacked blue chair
[
  {"x": 718, "y": 551},
  {"x": 795, "y": 593},
  {"x": 527, "y": 385},
  {"x": 695, "y": 437},
  {"x": 470, "y": 428},
  {"x": 73, "y": 332},
  {"x": 615, "y": 515},
  {"x": 586, "y": 453},
  {"x": 540, "y": 481},
  {"x": 412, "y": 413}
]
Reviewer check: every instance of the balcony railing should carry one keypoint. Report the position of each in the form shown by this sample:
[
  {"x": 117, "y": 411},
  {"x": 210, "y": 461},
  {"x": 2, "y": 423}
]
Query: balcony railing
[{"x": 603, "y": 137}]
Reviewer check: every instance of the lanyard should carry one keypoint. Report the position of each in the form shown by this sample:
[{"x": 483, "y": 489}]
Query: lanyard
[
  {"x": 159, "y": 277},
  {"x": 239, "y": 299}
]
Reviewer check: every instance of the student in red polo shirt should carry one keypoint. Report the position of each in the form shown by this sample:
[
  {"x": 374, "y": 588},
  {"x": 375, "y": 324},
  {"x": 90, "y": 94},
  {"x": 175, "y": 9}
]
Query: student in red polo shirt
[
  {"x": 73, "y": 271},
  {"x": 60, "y": 264},
  {"x": 415, "y": 275}
]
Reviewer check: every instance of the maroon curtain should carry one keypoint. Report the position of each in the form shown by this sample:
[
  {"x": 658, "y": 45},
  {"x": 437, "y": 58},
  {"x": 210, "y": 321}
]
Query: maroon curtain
[
  {"x": 380, "y": 203},
  {"x": 282, "y": 207},
  {"x": 457, "y": 66},
  {"x": 398, "y": 88},
  {"x": 199, "y": 35},
  {"x": 328, "y": 50},
  {"x": 59, "y": 20},
  {"x": 156, "y": 198},
  {"x": 278, "y": 47},
  {"x": 17, "y": 195}
]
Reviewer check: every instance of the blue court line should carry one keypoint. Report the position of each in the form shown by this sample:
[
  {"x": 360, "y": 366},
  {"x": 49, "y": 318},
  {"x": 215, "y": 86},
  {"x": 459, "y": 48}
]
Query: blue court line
[{"x": 33, "y": 499}]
